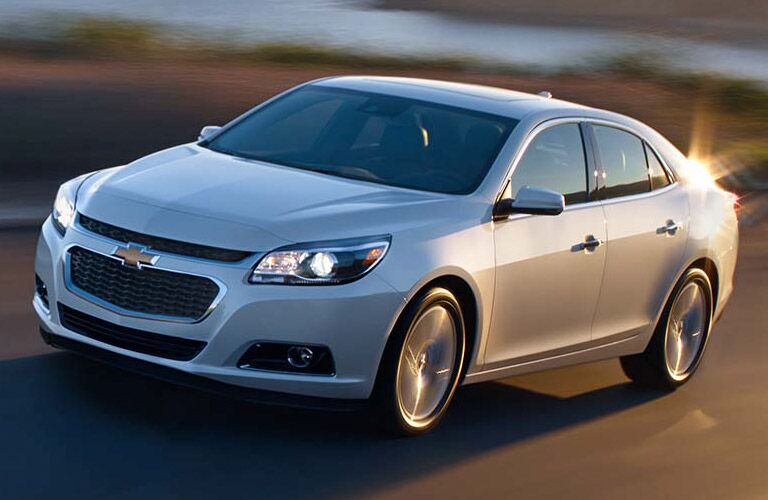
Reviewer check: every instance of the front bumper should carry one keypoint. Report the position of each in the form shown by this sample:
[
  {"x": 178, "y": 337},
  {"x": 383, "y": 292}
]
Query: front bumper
[{"x": 352, "y": 320}]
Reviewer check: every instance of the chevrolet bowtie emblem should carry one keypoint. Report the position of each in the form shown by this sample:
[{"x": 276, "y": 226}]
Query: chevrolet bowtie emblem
[{"x": 135, "y": 256}]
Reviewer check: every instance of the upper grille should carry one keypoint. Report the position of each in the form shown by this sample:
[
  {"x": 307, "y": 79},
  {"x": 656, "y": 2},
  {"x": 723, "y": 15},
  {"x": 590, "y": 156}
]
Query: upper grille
[
  {"x": 146, "y": 290},
  {"x": 162, "y": 244},
  {"x": 154, "y": 344}
]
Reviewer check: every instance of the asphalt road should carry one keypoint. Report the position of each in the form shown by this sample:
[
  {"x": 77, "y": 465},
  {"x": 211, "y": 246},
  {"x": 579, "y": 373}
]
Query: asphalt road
[{"x": 71, "y": 428}]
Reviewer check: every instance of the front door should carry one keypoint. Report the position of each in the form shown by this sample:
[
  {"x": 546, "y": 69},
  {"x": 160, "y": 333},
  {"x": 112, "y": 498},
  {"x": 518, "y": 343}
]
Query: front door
[{"x": 548, "y": 268}]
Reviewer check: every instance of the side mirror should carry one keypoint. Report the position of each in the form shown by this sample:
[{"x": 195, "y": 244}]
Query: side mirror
[
  {"x": 208, "y": 131},
  {"x": 531, "y": 200}
]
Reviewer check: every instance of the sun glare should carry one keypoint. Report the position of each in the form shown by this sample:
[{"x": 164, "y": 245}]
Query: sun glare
[{"x": 698, "y": 171}]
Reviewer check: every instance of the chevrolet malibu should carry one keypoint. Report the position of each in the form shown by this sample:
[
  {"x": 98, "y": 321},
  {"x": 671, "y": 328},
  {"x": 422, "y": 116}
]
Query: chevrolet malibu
[{"x": 377, "y": 242}]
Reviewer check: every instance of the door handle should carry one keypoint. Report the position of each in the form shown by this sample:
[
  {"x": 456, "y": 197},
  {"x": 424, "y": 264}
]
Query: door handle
[
  {"x": 588, "y": 245},
  {"x": 670, "y": 228}
]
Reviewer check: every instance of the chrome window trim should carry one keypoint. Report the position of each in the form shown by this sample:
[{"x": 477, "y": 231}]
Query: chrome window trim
[
  {"x": 136, "y": 314},
  {"x": 639, "y": 196},
  {"x": 593, "y": 203}
]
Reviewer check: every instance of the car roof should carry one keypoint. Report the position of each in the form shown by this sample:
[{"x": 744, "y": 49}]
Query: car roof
[{"x": 478, "y": 97}]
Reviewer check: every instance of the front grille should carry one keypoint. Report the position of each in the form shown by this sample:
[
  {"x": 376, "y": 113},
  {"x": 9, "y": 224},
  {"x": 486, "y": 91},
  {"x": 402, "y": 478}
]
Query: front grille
[
  {"x": 154, "y": 344},
  {"x": 162, "y": 244},
  {"x": 146, "y": 290}
]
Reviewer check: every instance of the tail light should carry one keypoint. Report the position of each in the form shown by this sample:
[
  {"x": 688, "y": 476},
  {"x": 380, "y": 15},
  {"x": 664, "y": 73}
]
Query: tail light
[{"x": 734, "y": 199}]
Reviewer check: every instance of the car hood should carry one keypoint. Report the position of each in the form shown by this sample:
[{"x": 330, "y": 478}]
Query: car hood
[{"x": 197, "y": 195}]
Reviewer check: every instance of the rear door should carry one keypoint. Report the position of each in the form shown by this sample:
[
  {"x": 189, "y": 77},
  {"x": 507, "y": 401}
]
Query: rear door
[
  {"x": 547, "y": 281},
  {"x": 647, "y": 221}
]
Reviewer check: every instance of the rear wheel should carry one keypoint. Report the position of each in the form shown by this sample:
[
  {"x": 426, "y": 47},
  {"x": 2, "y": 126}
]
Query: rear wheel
[
  {"x": 678, "y": 344},
  {"x": 422, "y": 364}
]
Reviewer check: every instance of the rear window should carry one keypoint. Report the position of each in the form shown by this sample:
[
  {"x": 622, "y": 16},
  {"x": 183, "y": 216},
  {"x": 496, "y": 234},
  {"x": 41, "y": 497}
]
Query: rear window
[
  {"x": 657, "y": 173},
  {"x": 374, "y": 137}
]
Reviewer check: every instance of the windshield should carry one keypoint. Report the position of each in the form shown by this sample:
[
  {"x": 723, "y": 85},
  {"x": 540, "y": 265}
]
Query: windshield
[{"x": 374, "y": 137}]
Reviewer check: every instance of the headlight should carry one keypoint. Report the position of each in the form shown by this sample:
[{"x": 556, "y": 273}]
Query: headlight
[
  {"x": 64, "y": 206},
  {"x": 324, "y": 263}
]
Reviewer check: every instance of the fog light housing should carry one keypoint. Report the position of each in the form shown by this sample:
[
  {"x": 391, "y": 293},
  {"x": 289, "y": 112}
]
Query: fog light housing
[
  {"x": 291, "y": 358},
  {"x": 42, "y": 291}
]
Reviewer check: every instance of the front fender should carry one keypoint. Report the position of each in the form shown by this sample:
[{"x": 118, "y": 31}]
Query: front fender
[{"x": 464, "y": 253}]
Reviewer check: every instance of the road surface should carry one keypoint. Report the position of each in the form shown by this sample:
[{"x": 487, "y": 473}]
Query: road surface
[{"x": 72, "y": 428}]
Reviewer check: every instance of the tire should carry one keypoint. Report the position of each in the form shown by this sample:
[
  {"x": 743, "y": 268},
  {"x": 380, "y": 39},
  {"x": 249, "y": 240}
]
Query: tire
[
  {"x": 419, "y": 373},
  {"x": 679, "y": 341}
]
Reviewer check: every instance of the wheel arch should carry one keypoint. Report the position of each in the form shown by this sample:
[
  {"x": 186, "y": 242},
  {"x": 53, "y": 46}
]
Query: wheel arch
[
  {"x": 470, "y": 308},
  {"x": 643, "y": 367},
  {"x": 710, "y": 269}
]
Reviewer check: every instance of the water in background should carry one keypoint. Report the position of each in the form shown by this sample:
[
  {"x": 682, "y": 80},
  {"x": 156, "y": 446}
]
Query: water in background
[{"x": 354, "y": 25}]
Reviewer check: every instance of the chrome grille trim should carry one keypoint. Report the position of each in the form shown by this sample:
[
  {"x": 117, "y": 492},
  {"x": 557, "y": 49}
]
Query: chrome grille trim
[{"x": 161, "y": 244}]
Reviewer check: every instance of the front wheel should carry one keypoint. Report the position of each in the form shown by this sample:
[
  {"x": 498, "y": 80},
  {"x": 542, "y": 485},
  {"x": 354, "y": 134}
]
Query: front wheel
[
  {"x": 678, "y": 343},
  {"x": 422, "y": 364}
]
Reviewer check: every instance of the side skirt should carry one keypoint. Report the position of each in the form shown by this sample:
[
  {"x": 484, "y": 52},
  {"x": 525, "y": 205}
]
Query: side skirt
[{"x": 629, "y": 345}]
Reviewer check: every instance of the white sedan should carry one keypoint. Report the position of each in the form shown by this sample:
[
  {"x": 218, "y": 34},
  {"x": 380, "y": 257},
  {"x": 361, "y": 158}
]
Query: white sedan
[{"x": 365, "y": 241}]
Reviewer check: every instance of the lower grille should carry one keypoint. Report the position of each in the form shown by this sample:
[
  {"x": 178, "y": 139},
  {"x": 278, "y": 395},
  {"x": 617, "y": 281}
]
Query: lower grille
[
  {"x": 148, "y": 291},
  {"x": 154, "y": 344}
]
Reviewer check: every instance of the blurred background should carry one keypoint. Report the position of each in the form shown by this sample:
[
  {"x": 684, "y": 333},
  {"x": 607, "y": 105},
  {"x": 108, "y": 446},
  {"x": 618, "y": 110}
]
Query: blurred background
[{"x": 89, "y": 84}]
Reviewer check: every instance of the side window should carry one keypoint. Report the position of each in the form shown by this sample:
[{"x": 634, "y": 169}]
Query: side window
[
  {"x": 554, "y": 160},
  {"x": 659, "y": 177},
  {"x": 622, "y": 158}
]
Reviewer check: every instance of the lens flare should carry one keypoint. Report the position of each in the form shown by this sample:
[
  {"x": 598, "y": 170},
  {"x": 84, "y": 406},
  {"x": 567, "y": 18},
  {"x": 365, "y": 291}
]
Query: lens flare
[{"x": 699, "y": 172}]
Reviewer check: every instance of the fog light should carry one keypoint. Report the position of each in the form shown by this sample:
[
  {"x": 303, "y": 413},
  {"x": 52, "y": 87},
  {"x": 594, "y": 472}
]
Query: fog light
[
  {"x": 285, "y": 357},
  {"x": 300, "y": 356}
]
